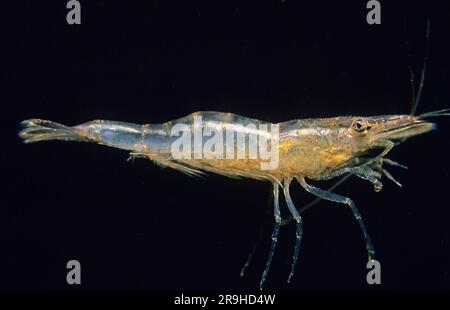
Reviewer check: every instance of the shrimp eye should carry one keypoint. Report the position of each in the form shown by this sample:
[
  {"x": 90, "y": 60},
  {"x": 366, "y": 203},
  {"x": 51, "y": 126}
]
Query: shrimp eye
[{"x": 359, "y": 125}]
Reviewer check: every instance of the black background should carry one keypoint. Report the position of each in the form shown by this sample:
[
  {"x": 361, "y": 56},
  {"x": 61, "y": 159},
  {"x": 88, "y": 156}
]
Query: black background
[{"x": 137, "y": 226}]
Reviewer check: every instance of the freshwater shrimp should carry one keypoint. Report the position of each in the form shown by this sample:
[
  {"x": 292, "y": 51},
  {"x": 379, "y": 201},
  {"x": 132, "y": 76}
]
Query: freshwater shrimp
[
  {"x": 309, "y": 149},
  {"x": 316, "y": 149}
]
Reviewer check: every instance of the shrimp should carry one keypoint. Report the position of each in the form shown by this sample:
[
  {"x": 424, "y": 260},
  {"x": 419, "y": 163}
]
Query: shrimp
[
  {"x": 316, "y": 149},
  {"x": 308, "y": 149}
]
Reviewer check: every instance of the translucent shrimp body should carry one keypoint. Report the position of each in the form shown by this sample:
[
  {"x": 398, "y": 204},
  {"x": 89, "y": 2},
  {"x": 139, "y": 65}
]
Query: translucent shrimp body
[{"x": 315, "y": 149}]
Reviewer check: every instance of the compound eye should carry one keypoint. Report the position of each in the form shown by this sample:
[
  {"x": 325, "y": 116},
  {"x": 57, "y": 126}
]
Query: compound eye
[{"x": 359, "y": 125}]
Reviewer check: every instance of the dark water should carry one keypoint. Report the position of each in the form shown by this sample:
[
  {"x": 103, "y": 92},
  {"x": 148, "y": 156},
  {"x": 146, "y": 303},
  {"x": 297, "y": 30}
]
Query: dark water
[{"x": 135, "y": 225}]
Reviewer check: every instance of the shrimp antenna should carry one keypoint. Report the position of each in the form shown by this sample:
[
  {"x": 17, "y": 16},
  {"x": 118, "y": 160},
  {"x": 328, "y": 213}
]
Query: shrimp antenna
[
  {"x": 411, "y": 73},
  {"x": 416, "y": 99}
]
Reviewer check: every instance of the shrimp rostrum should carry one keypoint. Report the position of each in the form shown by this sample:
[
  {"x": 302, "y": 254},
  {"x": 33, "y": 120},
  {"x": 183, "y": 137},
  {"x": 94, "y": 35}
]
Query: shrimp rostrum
[{"x": 307, "y": 149}]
